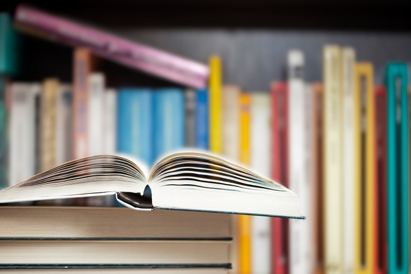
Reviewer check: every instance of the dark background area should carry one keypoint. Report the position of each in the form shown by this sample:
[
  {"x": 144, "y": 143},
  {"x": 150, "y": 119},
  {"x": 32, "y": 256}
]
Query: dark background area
[{"x": 252, "y": 37}]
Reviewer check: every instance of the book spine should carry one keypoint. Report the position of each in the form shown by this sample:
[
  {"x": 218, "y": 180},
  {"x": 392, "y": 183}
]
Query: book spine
[
  {"x": 261, "y": 162},
  {"x": 169, "y": 128},
  {"x": 215, "y": 105},
  {"x": 365, "y": 168},
  {"x": 4, "y": 134},
  {"x": 129, "y": 53},
  {"x": 135, "y": 123},
  {"x": 380, "y": 212},
  {"x": 280, "y": 173},
  {"x": 318, "y": 218},
  {"x": 190, "y": 106},
  {"x": 397, "y": 167},
  {"x": 82, "y": 69},
  {"x": 300, "y": 249},
  {"x": 231, "y": 121},
  {"x": 96, "y": 87},
  {"x": 110, "y": 121},
  {"x": 48, "y": 123},
  {"x": 9, "y": 46},
  {"x": 348, "y": 86},
  {"x": 64, "y": 124},
  {"x": 332, "y": 159},
  {"x": 22, "y": 131},
  {"x": 244, "y": 221},
  {"x": 201, "y": 122}
]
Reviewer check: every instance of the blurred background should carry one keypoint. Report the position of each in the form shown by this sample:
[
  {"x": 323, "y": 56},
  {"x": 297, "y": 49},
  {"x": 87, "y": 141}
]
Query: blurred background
[{"x": 257, "y": 83}]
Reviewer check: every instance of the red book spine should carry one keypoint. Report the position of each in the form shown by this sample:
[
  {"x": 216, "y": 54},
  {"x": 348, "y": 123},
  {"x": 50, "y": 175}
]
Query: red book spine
[
  {"x": 280, "y": 174},
  {"x": 381, "y": 250}
]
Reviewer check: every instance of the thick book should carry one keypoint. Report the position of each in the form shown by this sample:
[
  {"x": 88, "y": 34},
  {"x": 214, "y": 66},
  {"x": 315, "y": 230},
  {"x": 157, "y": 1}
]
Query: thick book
[
  {"x": 279, "y": 97},
  {"x": 349, "y": 157},
  {"x": 260, "y": 137},
  {"x": 180, "y": 181},
  {"x": 397, "y": 167},
  {"x": 132, "y": 54},
  {"x": 364, "y": 169}
]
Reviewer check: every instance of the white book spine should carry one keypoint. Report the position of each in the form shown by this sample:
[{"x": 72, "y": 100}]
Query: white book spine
[
  {"x": 110, "y": 121},
  {"x": 64, "y": 124},
  {"x": 96, "y": 84},
  {"x": 348, "y": 85},
  {"x": 22, "y": 132},
  {"x": 261, "y": 163},
  {"x": 299, "y": 251},
  {"x": 231, "y": 122}
]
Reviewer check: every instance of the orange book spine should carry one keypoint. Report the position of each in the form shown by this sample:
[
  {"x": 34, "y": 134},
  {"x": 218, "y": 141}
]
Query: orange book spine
[{"x": 244, "y": 226}]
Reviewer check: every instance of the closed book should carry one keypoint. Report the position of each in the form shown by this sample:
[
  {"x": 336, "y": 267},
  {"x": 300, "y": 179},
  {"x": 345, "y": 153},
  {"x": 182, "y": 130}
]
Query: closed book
[
  {"x": 4, "y": 133},
  {"x": 280, "y": 242},
  {"x": 9, "y": 46},
  {"x": 349, "y": 156},
  {"x": 299, "y": 179},
  {"x": 397, "y": 167},
  {"x": 201, "y": 119},
  {"x": 48, "y": 123},
  {"x": 103, "y": 44},
  {"x": 332, "y": 159},
  {"x": 244, "y": 221},
  {"x": 260, "y": 145},
  {"x": 64, "y": 124},
  {"x": 318, "y": 179},
  {"x": 168, "y": 121},
  {"x": 231, "y": 143},
  {"x": 83, "y": 66},
  {"x": 190, "y": 122},
  {"x": 135, "y": 123},
  {"x": 365, "y": 169},
  {"x": 215, "y": 105},
  {"x": 110, "y": 121},
  {"x": 22, "y": 131},
  {"x": 112, "y": 269},
  {"x": 381, "y": 243}
]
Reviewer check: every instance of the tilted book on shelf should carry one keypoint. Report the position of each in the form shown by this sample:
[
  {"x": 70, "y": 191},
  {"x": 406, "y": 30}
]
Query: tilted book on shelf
[{"x": 181, "y": 181}]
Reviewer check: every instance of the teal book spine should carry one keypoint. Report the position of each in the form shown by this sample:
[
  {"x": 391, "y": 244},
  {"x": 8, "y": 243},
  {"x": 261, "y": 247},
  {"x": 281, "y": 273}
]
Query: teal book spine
[
  {"x": 9, "y": 46},
  {"x": 4, "y": 140},
  {"x": 397, "y": 165}
]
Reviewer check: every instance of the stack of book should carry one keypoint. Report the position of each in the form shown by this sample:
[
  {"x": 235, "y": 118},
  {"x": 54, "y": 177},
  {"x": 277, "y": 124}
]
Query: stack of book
[{"x": 117, "y": 240}]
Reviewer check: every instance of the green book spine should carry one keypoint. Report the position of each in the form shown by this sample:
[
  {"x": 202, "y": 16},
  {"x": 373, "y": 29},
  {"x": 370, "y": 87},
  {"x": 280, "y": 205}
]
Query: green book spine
[
  {"x": 397, "y": 151},
  {"x": 9, "y": 46}
]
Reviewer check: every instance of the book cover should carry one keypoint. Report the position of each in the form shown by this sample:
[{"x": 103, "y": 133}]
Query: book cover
[
  {"x": 279, "y": 97},
  {"x": 261, "y": 160},
  {"x": 135, "y": 123},
  {"x": 397, "y": 167},
  {"x": 332, "y": 158},
  {"x": 244, "y": 221},
  {"x": 190, "y": 107},
  {"x": 364, "y": 169},
  {"x": 349, "y": 157},
  {"x": 83, "y": 66},
  {"x": 380, "y": 212},
  {"x": 299, "y": 179},
  {"x": 168, "y": 121},
  {"x": 48, "y": 123},
  {"x": 201, "y": 119},
  {"x": 318, "y": 182},
  {"x": 103, "y": 44},
  {"x": 215, "y": 105},
  {"x": 22, "y": 131},
  {"x": 9, "y": 46}
]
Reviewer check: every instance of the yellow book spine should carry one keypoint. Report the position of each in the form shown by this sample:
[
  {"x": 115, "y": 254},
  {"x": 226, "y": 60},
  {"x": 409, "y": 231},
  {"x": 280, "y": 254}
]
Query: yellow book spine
[
  {"x": 48, "y": 123},
  {"x": 365, "y": 169},
  {"x": 244, "y": 226},
  {"x": 215, "y": 105},
  {"x": 332, "y": 160}
]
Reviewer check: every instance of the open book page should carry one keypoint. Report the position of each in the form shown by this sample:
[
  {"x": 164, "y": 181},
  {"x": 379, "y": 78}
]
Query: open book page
[{"x": 85, "y": 177}]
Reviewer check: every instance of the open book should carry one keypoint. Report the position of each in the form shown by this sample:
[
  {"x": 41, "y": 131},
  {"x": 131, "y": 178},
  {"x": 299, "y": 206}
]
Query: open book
[{"x": 180, "y": 181}]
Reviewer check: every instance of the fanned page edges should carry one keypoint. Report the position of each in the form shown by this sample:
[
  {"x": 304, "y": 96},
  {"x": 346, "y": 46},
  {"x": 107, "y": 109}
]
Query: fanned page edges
[{"x": 183, "y": 181}]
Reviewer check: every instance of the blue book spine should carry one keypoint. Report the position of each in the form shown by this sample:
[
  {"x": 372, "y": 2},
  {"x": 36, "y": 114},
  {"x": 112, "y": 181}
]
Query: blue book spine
[
  {"x": 201, "y": 119},
  {"x": 169, "y": 121},
  {"x": 397, "y": 168},
  {"x": 134, "y": 123}
]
